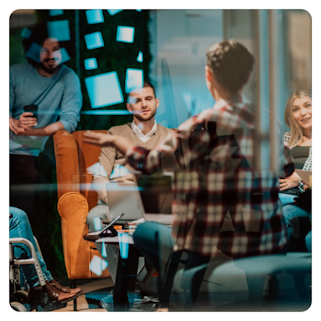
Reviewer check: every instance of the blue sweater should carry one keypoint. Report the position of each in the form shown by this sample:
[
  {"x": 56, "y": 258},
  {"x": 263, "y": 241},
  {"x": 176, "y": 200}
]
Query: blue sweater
[{"x": 58, "y": 96}]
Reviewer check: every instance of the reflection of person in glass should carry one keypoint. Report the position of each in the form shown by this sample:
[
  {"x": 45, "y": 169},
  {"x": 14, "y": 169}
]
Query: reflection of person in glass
[
  {"x": 55, "y": 89},
  {"x": 298, "y": 116},
  {"x": 218, "y": 176},
  {"x": 19, "y": 227}
]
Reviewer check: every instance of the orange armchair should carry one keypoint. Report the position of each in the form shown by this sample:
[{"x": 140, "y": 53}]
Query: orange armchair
[{"x": 73, "y": 157}]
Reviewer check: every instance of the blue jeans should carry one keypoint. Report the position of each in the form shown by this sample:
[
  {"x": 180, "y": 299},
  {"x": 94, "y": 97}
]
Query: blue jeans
[
  {"x": 154, "y": 241},
  {"x": 291, "y": 211},
  {"x": 19, "y": 226},
  {"x": 286, "y": 198},
  {"x": 298, "y": 226}
]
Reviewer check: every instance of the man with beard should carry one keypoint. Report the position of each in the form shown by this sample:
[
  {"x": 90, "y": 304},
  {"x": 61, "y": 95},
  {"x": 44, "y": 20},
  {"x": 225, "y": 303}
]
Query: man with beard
[
  {"x": 143, "y": 131},
  {"x": 55, "y": 89}
]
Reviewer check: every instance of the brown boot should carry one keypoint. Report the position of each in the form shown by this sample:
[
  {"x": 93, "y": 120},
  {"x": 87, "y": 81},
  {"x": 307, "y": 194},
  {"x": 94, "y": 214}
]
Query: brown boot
[
  {"x": 55, "y": 294},
  {"x": 63, "y": 289}
]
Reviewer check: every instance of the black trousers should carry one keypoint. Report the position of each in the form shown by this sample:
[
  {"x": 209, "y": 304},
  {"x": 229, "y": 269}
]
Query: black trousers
[
  {"x": 32, "y": 182},
  {"x": 33, "y": 188}
]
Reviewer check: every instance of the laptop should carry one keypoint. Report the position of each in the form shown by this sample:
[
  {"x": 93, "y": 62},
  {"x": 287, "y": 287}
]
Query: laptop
[{"x": 149, "y": 198}]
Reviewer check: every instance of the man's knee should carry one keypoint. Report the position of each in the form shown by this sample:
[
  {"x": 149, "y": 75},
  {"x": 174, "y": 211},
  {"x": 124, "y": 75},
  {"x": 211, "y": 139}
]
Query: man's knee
[
  {"x": 18, "y": 213},
  {"x": 95, "y": 217},
  {"x": 143, "y": 232},
  {"x": 19, "y": 218}
]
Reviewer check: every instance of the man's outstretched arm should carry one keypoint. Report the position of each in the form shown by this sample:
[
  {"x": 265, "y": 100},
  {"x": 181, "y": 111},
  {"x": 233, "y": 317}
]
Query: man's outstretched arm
[{"x": 102, "y": 140}]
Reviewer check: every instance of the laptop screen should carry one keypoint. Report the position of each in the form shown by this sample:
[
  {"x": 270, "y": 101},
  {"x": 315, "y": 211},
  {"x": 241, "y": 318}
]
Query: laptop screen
[{"x": 156, "y": 193}]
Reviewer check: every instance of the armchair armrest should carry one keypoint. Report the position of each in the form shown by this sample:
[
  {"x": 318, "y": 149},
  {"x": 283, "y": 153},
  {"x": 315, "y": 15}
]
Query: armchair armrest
[
  {"x": 73, "y": 209},
  {"x": 66, "y": 153}
]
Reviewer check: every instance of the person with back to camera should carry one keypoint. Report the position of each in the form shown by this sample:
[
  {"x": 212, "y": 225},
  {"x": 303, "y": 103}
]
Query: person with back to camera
[
  {"x": 298, "y": 116},
  {"x": 218, "y": 174}
]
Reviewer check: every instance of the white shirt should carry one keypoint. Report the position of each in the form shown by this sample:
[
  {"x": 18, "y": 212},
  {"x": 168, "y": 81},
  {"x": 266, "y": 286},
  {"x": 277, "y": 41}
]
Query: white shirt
[{"x": 144, "y": 138}]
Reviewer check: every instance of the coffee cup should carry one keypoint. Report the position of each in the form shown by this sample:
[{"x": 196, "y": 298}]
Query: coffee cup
[{"x": 32, "y": 109}]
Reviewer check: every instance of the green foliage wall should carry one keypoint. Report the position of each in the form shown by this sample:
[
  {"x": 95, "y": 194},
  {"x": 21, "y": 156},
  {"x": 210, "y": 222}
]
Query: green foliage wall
[{"x": 114, "y": 56}]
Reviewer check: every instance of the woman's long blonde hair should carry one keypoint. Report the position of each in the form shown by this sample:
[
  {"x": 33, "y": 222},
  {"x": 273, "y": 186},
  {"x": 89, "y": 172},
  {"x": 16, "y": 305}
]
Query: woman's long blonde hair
[{"x": 296, "y": 131}]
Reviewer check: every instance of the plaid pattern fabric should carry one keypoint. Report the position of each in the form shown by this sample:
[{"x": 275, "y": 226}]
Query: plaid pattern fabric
[{"x": 214, "y": 178}]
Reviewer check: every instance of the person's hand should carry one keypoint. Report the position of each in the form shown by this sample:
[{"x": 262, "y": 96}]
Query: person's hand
[
  {"x": 289, "y": 182},
  {"x": 99, "y": 139},
  {"x": 26, "y": 121},
  {"x": 14, "y": 125},
  {"x": 23, "y": 125}
]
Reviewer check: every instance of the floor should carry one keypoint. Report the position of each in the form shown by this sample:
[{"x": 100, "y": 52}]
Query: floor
[
  {"x": 287, "y": 301},
  {"x": 88, "y": 286},
  {"x": 224, "y": 289}
]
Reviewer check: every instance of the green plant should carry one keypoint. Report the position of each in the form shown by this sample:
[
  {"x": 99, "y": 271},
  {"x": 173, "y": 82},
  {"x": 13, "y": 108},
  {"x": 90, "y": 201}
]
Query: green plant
[{"x": 114, "y": 56}]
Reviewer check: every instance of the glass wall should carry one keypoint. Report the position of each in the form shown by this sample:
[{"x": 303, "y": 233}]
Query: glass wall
[
  {"x": 110, "y": 48},
  {"x": 281, "y": 43},
  {"x": 180, "y": 39}
]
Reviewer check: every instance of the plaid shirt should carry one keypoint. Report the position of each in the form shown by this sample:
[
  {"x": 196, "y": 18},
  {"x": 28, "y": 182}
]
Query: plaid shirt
[{"x": 214, "y": 177}]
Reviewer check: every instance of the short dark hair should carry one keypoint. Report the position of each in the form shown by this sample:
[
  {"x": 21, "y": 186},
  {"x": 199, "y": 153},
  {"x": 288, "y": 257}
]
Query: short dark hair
[
  {"x": 145, "y": 85},
  {"x": 231, "y": 63},
  {"x": 39, "y": 33}
]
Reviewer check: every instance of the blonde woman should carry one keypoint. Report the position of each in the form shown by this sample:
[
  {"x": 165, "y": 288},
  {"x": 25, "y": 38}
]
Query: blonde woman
[{"x": 298, "y": 116}]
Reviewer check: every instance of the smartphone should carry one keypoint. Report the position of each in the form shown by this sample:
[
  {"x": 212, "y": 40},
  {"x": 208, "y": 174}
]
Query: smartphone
[{"x": 32, "y": 109}]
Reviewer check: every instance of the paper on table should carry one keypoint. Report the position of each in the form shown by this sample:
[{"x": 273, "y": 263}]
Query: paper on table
[
  {"x": 139, "y": 221},
  {"x": 114, "y": 240}
]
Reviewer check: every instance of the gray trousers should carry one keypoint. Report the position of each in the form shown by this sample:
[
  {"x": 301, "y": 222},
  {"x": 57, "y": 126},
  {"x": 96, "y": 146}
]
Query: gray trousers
[{"x": 101, "y": 211}]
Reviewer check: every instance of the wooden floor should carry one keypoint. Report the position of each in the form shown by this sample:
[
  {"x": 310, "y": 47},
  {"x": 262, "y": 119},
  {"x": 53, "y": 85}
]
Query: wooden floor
[
  {"x": 219, "y": 301},
  {"x": 88, "y": 286}
]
